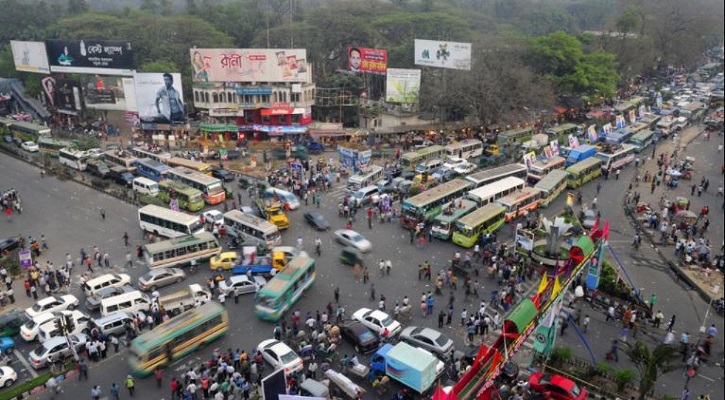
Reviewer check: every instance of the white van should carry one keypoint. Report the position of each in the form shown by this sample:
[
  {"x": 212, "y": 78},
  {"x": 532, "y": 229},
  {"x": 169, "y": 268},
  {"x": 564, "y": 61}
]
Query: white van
[
  {"x": 49, "y": 330},
  {"x": 94, "y": 285},
  {"x": 428, "y": 166},
  {"x": 131, "y": 302},
  {"x": 146, "y": 186},
  {"x": 283, "y": 196},
  {"x": 366, "y": 195}
]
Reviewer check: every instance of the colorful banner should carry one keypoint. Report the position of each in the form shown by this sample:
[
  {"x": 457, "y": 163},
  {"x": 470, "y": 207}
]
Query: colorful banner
[
  {"x": 30, "y": 57},
  {"x": 159, "y": 98},
  {"x": 249, "y": 65},
  {"x": 642, "y": 110},
  {"x": 554, "y": 145},
  {"x": 619, "y": 121},
  {"x": 104, "y": 57},
  {"x": 529, "y": 159},
  {"x": 433, "y": 53},
  {"x": 402, "y": 86},
  {"x": 363, "y": 59},
  {"x": 573, "y": 142},
  {"x": 632, "y": 117},
  {"x": 607, "y": 128},
  {"x": 61, "y": 94},
  {"x": 25, "y": 257},
  {"x": 103, "y": 92}
]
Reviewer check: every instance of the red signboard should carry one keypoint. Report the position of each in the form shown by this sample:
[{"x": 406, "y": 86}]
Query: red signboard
[
  {"x": 278, "y": 111},
  {"x": 362, "y": 59}
]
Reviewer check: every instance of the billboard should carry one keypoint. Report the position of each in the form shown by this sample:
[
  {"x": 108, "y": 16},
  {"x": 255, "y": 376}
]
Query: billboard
[
  {"x": 160, "y": 98},
  {"x": 433, "y": 53},
  {"x": 61, "y": 93},
  {"x": 402, "y": 85},
  {"x": 30, "y": 56},
  {"x": 249, "y": 65},
  {"x": 104, "y": 92},
  {"x": 104, "y": 57},
  {"x": 362, "y": 59}
]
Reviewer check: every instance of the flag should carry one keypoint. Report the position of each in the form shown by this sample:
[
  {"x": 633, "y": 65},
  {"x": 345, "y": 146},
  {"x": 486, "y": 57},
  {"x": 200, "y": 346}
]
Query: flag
[
  {"x": 543, "y": 284},
  {"x": 605, "y": 232},
  {"x": 595, "y": 227},
  {"x": 557, "y": 288}
]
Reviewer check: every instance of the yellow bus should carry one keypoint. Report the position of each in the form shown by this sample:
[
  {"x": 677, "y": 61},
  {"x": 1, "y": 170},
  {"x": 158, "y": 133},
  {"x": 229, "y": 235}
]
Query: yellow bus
[
  {"x": 583, "y": 172},
  {"x": 411, "y": 159},
  {"x": 537, "y": 171},
  {"x": 121, "y": 158},
  {"x": 197, "y": 166},
  {"x": 187, "y": 197},
  {"x": 481, "y": 222},
  {"x": 551, "y": 186},
  {"x": 520, "y": 203},
  {"x": 177, "y": 337}
]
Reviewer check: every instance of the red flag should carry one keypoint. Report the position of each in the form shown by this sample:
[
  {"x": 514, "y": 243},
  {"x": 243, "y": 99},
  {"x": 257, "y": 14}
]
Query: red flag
[
  {"x": 605, "y": 233},
  {"x": 596, "y": 225}
]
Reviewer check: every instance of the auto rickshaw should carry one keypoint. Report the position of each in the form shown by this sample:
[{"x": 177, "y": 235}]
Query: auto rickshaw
[{"x": 351, "y": 256}]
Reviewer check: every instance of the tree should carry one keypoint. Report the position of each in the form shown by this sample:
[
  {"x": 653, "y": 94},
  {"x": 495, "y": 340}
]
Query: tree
[
  {"x": 158, "y": 66},
  {"x": 77, "y": 7},
  {"x": 651, "y": 364}
]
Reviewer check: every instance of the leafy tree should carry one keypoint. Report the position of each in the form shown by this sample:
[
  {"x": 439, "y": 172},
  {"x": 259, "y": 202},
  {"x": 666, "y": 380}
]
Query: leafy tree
[
  {"x": 158, "y": 66},
  {"x": 77, "y": 7},
  {"x": 651, "y": 364},
  {"x": 191, "y": 7}
]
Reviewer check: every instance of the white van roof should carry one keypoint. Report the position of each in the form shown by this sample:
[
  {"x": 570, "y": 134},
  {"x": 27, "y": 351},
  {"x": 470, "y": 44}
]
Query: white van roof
[{"x": 145, "y": 181}]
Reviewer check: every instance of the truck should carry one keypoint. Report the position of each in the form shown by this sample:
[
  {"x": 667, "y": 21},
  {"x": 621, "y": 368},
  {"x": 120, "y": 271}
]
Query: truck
[
  {"x": 412, "y": 366},
  {"x": 580, "y": 153},
  {"x": 185, "y": 299},
  {"x": 273, "y": 212},
  {"x": 259, "y": 264}
]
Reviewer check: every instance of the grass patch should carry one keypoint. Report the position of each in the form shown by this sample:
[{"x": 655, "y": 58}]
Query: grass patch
[{"x": 17, "y": 390}]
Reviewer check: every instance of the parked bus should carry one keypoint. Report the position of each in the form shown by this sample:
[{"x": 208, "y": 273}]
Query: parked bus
[
  {"x": 410, "y": 160},
  {"x": 364, "y": 179},
  {"x": 551, "y": 186},
  {"x": 197, "y": 166},
  {"x": 444, "y": 222},
  {"x": 73, "y": 158},
  {"x": 187, "y": 197},
  {"x": 121, "y": 158},
  {"x": 583, "y": 172},
  {"x": 428, "y": 204},
  {"x": 618, "y": 159},
  {"x": 158, "y": 156},
  {"x": 52, "y": 146},
  {"x": 520, "y": 203},
  {"x": 152, "y": 169},
  {"x": 620, "y": 136},
  {"x": 539, "y": 170},
  {"x": 251, "y": 230},
  {"x": 514, "y": 136},
  {"x": 465, "y": 149},
  {"x": 168, "y": 223},
  {"x": 496, "y": 190},
  {"x": 210, "y": 188},
  {"x": 638, "y": 127},
  {"x": 563, "y": 131},
  {"x": 483, "y": 221},
  {"x": 642, "y": 140},
  {"x": 177, "y": 337},
  {"x": 483, "y": 178},
  {"x": 28, "y": 129},
  {"x": 180, "y": 251},
  {"x": 287, "y": 286}
]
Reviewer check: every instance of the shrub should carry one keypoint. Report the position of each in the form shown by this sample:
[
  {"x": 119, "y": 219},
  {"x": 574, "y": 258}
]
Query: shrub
[
  {"x": 100, "y": 183},
  {"x": 560, "y": 355},
  {"x": 623, "y": 377},
  {"x": 16, "y": 391}
]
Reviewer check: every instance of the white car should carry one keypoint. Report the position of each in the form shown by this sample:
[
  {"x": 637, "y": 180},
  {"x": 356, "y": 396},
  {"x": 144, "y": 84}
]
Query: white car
[
  {"x": 214, "y": 217},
  {"x": 353, "y": 239},
  {"x": 240, "y": 284},
  {"x": 465, "y": 168},
  {"x": 279, "y": 355},
  {"x": 453, "y": 162},
  {"x": 29, "y": 330},
  {"x": 377, "y": 321},
  {"x": 94, "y": 153},
  {"x": 52, "y": 303},
  {"x": 7, "y": 376},
  {"x": 30, "y": 146}
]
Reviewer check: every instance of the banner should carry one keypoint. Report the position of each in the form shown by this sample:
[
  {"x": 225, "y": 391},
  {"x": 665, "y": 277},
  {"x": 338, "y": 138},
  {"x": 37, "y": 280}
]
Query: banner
[
  {"x": 592, "y": 134},
  {"x": 402, "y": 85},
  {"x": 25, "y": 257},
  {"x": 363, "y": 59},
  {"x": 105, "y": 57},
  {"x": 159, "y": 98},
  {"x": 573, "y": 142},
  {"x": 632, "y": 117},
  {"x": 554, "y": 145},
  {"x": 30, "y": 57},
  {"x": 433, "y": 53},
  {"x": 249, "y": 65},
  {"x": 619, "y": 121},
  {"x": 61, "y": 94},
  {"x": 104, "y": 92},
  {"x": 529, "y": 159}
]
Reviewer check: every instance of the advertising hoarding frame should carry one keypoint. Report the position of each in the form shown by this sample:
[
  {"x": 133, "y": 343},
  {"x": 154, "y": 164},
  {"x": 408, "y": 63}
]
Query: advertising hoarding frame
[
  {"x": 443, "y": 54},
  {"x": 160, "y": 101},
  {"x": 90, "y": 56},
  {"x": 30, "y": 56},
  {"x": 363, "y": 59},
  {"x": 249, "y": 65},
  {"x": 402, "y": 86}
]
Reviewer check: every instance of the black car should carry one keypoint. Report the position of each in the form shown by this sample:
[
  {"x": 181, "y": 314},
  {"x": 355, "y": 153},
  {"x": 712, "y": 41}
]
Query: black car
[
  {"x": 9, "y": 244},
  {"x": 98, "y": 168},
  {"x": 223, "y": 174},
  {"x": 317, "y": 221},
  {"x": 121, "y": 176},
  {"x": 393, "y": 172},
  {"x": 408, "y": 175},
  {"x": 360, "y": 337}
]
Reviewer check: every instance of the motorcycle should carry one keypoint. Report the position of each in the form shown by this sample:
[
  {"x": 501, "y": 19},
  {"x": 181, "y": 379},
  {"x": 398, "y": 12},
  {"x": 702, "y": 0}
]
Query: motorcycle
[{"x": 233, "y": 244}]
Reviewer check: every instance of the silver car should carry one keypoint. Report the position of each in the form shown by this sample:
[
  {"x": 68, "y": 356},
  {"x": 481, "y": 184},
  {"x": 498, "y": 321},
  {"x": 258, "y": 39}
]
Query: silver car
[
  {"x": 161, "y": 277},
  {"x": 55, "y": 349},
  {"x": 241, "y": 284},
  {"x": 429, "y": 339},
  {"x": 94, "y": 302},
  {"x": 353, "y": 239}
]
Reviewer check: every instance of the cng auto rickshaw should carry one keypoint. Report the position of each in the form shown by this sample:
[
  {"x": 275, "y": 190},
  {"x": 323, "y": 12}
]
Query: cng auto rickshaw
[{"x": 351, "y": 256}]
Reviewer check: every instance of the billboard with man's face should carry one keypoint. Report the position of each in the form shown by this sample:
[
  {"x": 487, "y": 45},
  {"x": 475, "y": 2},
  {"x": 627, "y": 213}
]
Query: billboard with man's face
[
  {"x": 103, "y": 57},
  {"x": 160, "y": 98},
  {"x": 452, "y": 55},
  {"x": 249, "y": 65},
  {"x": 30, "y": 56},
  {"x": 362, "y": 59}
]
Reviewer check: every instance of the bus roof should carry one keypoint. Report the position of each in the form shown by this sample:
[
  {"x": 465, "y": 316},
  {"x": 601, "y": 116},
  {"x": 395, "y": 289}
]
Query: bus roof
[
  {"x": 511, "y": 198},
  {"x": 608, "y": 151},
  {"x": 153, "y": 248},
  {"x": 549, "y": 182},
  {"x": 157, "y": 153},
  {"x": 195, "y": 175},
  {"x": 264, "y": 225},
  {"x": 178, "y": 187},
  {"x": 563, "y": 128},
  {"x": 437, "y": 192},
  {"x": 72, "y": 152},
  {"x": 465, "y": 206},
  {"x": 584, "y": 164},
  {"x": 177, "y": 324},
  {"x": 183, "y": 162},
  {"x": 504, "y": 170},
  {"x": 371, "y": 170},
  {"x": 643, "y": 134},
  {"x": 154, "y": 164},
  {"x": 288, "y": 276},
  {"x": 121, "y": 154},
  {"x": 29, "y": 126},
  {"x": 549, "y": 161},
  {"x": 462, "y": 143},
  {"x": 515, "y": 131},
  {"x": 500, "y": 185},
  {"x": 482, "y": 214},
  {"x": 166, "y": 213}
]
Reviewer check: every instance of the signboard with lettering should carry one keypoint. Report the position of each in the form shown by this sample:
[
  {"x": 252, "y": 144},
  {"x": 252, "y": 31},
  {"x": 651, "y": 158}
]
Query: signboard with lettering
[
  {"x": 105, "y": 57},
  {"x": 249, "y": 65}
]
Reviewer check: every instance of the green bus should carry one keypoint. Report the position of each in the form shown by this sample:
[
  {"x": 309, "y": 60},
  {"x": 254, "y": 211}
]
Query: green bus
[
  {"x": 188, "y": 197},
  {"x": 563, "y": 131},
  {"x": 583, "y": 172},
  {"x": 445, "y": 221},
  {"x": 514, "y": 136},
  {"x": 177, "y": 337},
  {"x": 551, "y": 186},
  {"x": 481, "y": 222},
  {"x": 411, "y": 159},
  {"x": 287, "y": 286},
  {"x": 428, "y": 204},
  {"x": 52, "y": 146}
]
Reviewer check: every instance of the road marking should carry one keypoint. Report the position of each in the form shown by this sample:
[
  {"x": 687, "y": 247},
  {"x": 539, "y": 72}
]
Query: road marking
[
  {"x": 706, "y": 377},
  {"x": 124, "y": 218},
  {"x": 25, "y": 363}
]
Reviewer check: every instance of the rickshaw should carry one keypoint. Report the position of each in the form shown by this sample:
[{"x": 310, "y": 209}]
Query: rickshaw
[{"x": 351, "y": 256}]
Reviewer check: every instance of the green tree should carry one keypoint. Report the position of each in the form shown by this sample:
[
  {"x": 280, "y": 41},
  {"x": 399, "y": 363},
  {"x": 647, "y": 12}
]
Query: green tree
[
  {"x": 77, "y": 7},
  {"x": 158, "y": 66},
  {"x": 651, "y": 364}
]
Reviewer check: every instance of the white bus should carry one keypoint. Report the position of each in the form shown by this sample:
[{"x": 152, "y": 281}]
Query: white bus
[
  {"x": 251, "y": 230},
  {"x": 168, "y": 223},
  {"x": 494, "y": 191},
  {"x": 211, "y": 188},
  {"x": 367, "y": 178},
  {"x": 642, "y": 140},
  {"x": 73, "y": 158},
  {"x": 617, "y": 159},
  {"x": 159, "y": 156},
  {"x": 537, "y": 171},
  {"x": 465, "y": 149},
  {"x": 121, "y": 158},
  {"x": 495, "y": 174}
]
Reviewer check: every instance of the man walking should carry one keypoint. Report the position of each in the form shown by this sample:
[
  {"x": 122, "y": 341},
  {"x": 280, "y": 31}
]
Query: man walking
[{"x": 130, "y": 385}]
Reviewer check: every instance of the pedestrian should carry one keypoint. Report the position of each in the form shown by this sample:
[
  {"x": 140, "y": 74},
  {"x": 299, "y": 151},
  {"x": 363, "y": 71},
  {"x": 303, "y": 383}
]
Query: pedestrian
[
  {"x": 158, "y": 376},
  {"x": 115, "y": 391},
  {"x": 129, "y": 259},
  {"x": 564, "y": 325},
  {"x": 82, "y": 369},
  {"x": 125, "y": 239},
  {"x": 616, "y": 176},
  {"x": 372, "y": 291},
  {"x": 103, "y": 214},
  {"x": 671, "y": 323},
  {"x": 337, "y": 295},
  {"x": 175, "y": 386},
  {"x": 585, "y": 324},
  {"x": 115, "y": 342},
  {"x": 312, "y": 369},
  {"x": 130, "y": 385},
  {"x": 599, "y": 187},
  {"x": 612, "y": 355},
  {"x": 96, "y": 392}
]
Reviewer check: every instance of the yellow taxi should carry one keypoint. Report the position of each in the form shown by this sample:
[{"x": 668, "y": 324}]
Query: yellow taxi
[{"x": 224, "y": 260}]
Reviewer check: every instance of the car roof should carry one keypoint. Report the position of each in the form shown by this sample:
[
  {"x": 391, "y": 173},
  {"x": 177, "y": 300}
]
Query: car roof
[
  {"x": 228, "y": 254},
  {"x": 239, "y": 278},
  {"x": 379, "y": 314},
  {"x": 357, "y": 327}
]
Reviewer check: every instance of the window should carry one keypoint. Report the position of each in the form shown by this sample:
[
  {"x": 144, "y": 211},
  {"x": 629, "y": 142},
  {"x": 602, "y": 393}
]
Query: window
[
  {"x": 206, "y": 97},
  {"x": 222, "y": 97},
  {"x": 196, "y": 97},
  {"x": 214, "y": 98}
]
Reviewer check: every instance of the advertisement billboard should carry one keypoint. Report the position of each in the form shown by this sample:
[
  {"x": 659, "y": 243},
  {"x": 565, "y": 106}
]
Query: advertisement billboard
[
  {"x": 103, "y": 92},
  {"x": 30, "y": 56},
  {"x": 441, "y": 54},
  {"x": 402, "y": 85},
  {"x": 61, "y": 93},
  {"x": 362, "y": 59},
  {"x": 104, "y": 57},
  {"x": 249, "y": 65},
  {"x": 160, "y": 98}
]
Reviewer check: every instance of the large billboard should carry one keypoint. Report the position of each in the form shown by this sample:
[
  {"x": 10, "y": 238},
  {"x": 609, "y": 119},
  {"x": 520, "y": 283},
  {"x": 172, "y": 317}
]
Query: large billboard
[
  {"x": 61, "y": 93},
  {"x": 362, "y": 59},
  {"x": 160, "y": 98},
  {"x": 433, "y": 53},
  {"x": 402, "y": 85},
  {"x": 104, "y": 92},
  {"x": 104, "y": 57},
  {"x": 30, "y": 56},
  {"x": 249, "y": 65}
]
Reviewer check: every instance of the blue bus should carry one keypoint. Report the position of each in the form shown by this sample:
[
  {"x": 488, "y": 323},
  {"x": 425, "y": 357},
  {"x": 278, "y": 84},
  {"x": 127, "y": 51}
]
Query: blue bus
[
  {"x": 151, "y": 169},
  {"x": 620, "y": 136}
]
